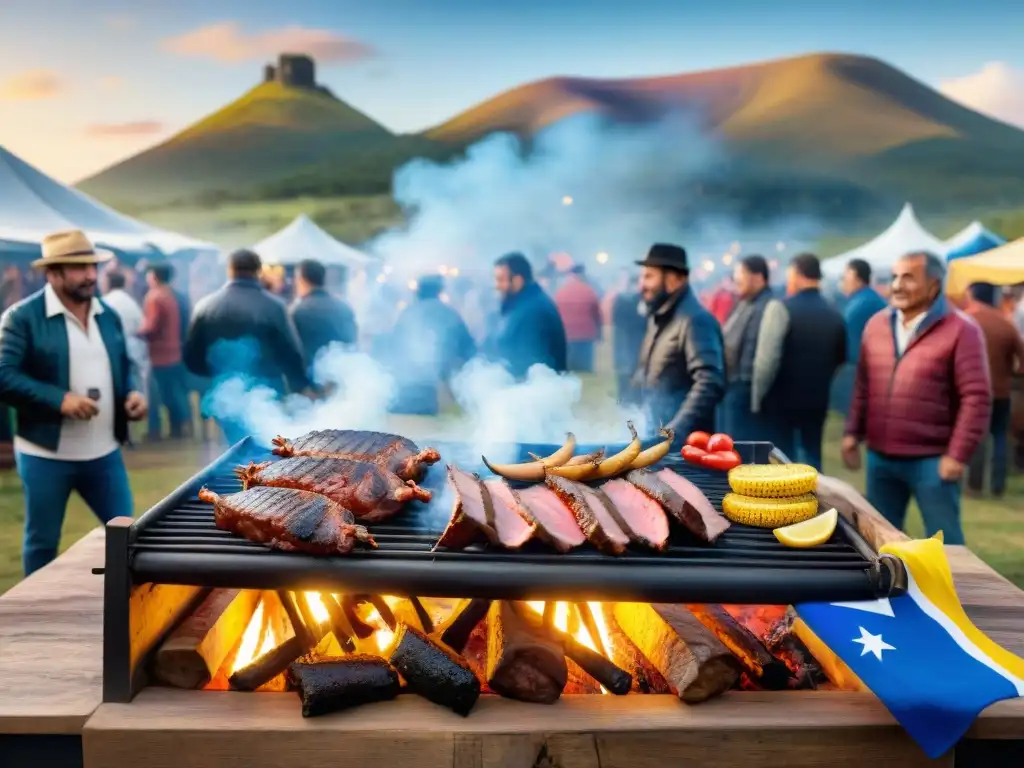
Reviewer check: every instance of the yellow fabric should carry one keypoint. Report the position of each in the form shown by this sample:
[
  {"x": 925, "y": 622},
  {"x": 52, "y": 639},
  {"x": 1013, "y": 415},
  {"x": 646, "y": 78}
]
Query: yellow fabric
[
  {"x": 1000, "y": 266},
  {"x": 927, "y": 563}
]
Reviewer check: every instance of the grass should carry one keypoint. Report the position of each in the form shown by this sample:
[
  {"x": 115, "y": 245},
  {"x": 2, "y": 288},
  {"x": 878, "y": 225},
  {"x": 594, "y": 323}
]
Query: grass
[{"x": 994, "y": 529}]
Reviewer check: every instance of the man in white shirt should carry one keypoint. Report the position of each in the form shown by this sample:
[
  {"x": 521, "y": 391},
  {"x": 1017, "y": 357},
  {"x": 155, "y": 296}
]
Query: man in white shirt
[
  {"x": 119, "y": 300},
  {"x": 64, "y": 368}
]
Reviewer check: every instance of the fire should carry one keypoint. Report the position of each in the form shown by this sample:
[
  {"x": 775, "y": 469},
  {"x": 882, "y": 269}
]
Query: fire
[
  {"x": 581, "y": 635},
  {"x": 259, "y": 638}
]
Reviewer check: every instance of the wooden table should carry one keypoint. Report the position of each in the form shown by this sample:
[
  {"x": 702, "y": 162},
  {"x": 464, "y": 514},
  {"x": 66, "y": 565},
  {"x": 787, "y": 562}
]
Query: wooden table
[{"x": 50, "y": 706}]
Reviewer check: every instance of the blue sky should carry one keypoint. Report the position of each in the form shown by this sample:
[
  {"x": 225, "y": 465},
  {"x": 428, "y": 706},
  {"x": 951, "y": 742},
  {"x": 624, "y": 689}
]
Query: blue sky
[{"x": 83, "y": 84}]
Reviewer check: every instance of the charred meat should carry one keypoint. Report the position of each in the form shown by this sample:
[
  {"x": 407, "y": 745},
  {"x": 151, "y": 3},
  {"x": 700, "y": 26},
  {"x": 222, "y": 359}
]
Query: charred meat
[
  {"x": 643, "y": 516},
  {"x": 555, "y": 523},
  {"x": 398, "y": 454},
  {"x": 593, "y": 512},
  {"x": 489, "y": 508},
  {"x": 287, "y": 519},
  {"x": 371, "y": 492},
  {"x": 683, "y": 500},
  {"x": 329, "y": 684}
]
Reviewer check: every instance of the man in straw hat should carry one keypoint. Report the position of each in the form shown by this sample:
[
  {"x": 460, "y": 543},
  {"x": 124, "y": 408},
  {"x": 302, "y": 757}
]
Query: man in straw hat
[
  {"x": 64, "y": 368},
  {"x": 681, "y": 372}
]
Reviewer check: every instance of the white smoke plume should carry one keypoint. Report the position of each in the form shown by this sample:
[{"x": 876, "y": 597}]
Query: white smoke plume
[{"x": 584, "y": 187}]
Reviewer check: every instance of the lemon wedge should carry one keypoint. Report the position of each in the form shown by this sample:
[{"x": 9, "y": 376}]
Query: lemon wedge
[{"x": 809, "y": 533}]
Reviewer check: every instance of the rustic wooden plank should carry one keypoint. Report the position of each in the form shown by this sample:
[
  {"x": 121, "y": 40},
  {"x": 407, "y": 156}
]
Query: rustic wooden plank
[
  {"x": 875, "y": 529},
  {"x": 195, "y": 728},
  {"x": 51, "y": 640}
]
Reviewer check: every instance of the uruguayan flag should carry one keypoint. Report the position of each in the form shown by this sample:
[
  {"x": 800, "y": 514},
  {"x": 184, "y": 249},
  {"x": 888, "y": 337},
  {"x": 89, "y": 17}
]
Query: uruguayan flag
[{"x": 919, "y": 653}]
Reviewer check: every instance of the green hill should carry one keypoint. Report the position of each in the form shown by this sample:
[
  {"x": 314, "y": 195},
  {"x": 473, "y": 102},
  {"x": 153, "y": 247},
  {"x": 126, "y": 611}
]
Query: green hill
[
  {"x": 264, "y": 137},
  {"x": 848, "y": 124}
]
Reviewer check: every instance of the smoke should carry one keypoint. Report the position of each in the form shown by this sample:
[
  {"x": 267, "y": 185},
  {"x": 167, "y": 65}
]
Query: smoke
[{"x": 585, "y": 186}]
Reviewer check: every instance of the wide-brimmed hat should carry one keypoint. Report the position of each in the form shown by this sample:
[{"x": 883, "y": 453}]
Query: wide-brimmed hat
[
  {"x": 70, "y": 248},
  {"x": 665, "y": 255}
]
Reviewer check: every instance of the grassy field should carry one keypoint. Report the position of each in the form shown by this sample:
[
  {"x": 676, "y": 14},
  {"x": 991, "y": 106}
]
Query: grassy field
[{"x": 994, "y": 529}]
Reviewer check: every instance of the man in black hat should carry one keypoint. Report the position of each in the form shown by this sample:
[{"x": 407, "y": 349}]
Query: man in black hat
[{"x": 681, "y": 373}]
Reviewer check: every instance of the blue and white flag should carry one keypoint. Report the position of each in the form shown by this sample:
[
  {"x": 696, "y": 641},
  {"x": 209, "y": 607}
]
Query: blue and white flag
[{"x": 920, "y": 653}]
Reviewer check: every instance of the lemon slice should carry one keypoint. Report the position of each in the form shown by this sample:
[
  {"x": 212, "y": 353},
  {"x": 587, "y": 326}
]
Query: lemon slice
[{"x": 809, "y": 533}]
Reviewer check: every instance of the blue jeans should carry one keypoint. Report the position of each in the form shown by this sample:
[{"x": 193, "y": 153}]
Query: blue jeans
[
  {"x": 800, "y": 437},
  {"x": 892, "y": 481},
  {"x": 580, "y": 356},
  {"x": 168, "y": 387},
  {"x": 735, "y": 418},
  {"x": 999, "y": 429},
  {"x": 47, "y": 483}
]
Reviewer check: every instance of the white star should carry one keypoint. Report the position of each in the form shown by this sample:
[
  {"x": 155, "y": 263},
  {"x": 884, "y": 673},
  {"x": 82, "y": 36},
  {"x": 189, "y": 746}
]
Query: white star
[{"x": 872, "y": 644}]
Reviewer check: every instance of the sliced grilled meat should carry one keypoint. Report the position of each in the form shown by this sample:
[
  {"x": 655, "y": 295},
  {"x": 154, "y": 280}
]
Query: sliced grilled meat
[
  {"x": 476, "y": 511},
  {"x": 643, "y": 516},
  {"x": 683, "y": 500},
  {"x": 397, "y": 453},
  {"x": 371, "y": 492},
  {"x": 287, "y": 519},
  {"x": 555, "y": 523},
  {"x": 593, "y": 512}
]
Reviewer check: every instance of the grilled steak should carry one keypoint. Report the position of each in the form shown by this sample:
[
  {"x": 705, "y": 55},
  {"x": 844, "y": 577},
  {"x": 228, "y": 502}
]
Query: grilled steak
[
  {"x": 683, "y": 500},
  {"x": 593, "y": 512},
  {"x": 643, "y": 516},
  {"x": 287, "y": 519},
  {"x": 476, "y": 511},
  {"x": 398, "y": 454},
  {"x": 371, "y": 492},
  {"x": 555, "y": 523}
]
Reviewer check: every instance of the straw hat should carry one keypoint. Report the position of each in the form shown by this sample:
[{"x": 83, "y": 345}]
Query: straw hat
[{"x": 70, "y": 247}]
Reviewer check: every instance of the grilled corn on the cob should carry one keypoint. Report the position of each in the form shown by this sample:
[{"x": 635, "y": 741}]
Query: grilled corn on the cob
[
  {"x": 773, "y": 481},
  {"x": 769, "y": 513}
]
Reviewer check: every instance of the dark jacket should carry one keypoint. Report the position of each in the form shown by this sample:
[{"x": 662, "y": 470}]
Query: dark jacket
[
  {"x": 628, "y": 329},
  {"x": 935, "y": 399},
  {"x": 681, "y": 372},
  {"x": 814, "y": 348},
  {"x": 321, "y": 319},
  {"x": 241, "y": 329},
  {"x": 35, "y": 368},
  {"x": 860, "y": 307},
  {"x": 428, "y": 344},
  {"x": 529, "y": 331},
  {"x": 740, "y": 333}
]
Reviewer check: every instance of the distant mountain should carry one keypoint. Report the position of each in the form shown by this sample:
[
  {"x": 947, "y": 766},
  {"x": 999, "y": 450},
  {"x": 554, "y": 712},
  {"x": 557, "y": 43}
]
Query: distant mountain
[
  {"x": 267, "y": 135},
  {"x": 849, "y": 124}
]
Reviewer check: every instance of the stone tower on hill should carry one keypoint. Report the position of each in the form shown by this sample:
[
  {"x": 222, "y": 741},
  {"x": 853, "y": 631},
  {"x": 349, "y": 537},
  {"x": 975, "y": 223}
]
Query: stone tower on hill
[{"x": 293, "y": 69}]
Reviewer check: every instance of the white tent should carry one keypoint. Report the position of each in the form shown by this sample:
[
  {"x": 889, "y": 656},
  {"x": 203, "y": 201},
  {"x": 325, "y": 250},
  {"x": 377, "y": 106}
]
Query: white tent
[
  {"x": 32, "y": 205},
  {"x": 902, "y": 237},
  {"x": 973, "y": 231},
  {"x": 303, "y": 239}
]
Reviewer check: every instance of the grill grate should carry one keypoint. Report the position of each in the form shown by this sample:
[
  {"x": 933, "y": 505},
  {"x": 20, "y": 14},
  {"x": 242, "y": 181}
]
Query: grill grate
[{"x": 178, "y": 542}]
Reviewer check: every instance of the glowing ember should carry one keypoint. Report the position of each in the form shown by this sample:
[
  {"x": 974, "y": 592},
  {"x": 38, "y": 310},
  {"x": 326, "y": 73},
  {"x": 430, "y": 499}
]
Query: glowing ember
[
  {"x": 259, "y": 638},
  {"x": 581, "y": 635},
  {"x": 316, "y": 606}
]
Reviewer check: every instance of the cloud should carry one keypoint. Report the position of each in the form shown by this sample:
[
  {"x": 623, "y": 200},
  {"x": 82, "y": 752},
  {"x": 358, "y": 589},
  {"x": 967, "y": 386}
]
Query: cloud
[
  {"x": 32, "y": 85},
  {"x": 227, "y": 42},
  {"x": 996, "y": 90},
  {"x": 121, "y": 130}
]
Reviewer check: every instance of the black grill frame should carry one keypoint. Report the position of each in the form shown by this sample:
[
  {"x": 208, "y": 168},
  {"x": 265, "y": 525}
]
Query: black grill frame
[{"x": 176, "y": 542}]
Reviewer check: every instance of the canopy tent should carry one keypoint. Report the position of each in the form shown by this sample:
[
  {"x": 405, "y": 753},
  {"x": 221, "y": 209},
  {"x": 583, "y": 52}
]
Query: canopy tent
[
  {"x": 972, "y": 239},
  {"x": 32, "y": 205},
  {"x": 303, "y": 239},
  {"x": 1000, "y": 266},
  {"x": 903, "y": 236}
]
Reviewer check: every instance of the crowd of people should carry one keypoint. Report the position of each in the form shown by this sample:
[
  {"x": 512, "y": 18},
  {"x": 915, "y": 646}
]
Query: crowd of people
[{"x": 922, "y": 383}]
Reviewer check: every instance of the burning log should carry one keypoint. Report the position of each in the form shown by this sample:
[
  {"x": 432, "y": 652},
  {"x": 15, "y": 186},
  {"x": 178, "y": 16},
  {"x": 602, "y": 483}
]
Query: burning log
[
  {"x": 614, "y": 679},
  {"x": 360, "y": 628},
  {"x": 291, "y": 607},
  {"x": 524, "y": 662},
  {"x": 268, "y": 666},
  {"x": 590, "y": 622},
  {"x": 193, "y": 654},
  {"x": 421, "y": 613},
  {"x": 782, "y": 640},
  {"x": 696, "y": 664},
  {"x": 646, "y": 679},
  {"x": 433, "y": 671},
  {"x": 459, "y": 627},
  {"x": 272, "y": 665},
  {"x": 341, "y": 626},
  {"x": 384, "y": 610},
  {"x": 765, "y": 670},
  {"x": 332, "y": 684}
]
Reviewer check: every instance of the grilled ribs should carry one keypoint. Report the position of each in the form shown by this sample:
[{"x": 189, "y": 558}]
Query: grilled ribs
[
  {"x": 371, "y": 492},
  {"x": 398, "y": 454},
  {"x": 287, "y": 519}
]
